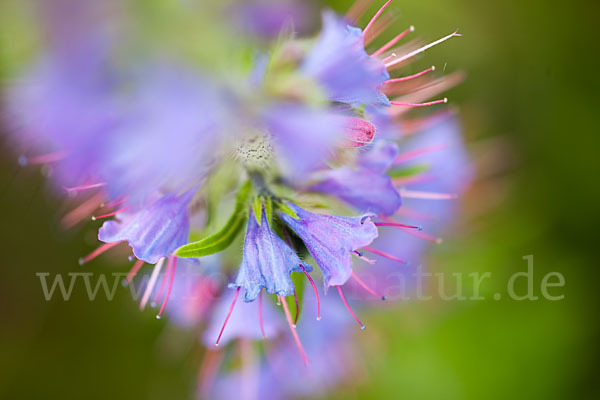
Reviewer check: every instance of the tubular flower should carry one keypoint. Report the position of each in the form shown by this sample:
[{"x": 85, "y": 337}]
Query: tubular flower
[{"x": 304, "y": 144}]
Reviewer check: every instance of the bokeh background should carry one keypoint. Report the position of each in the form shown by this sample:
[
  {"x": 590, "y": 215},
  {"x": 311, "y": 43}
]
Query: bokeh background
[{"x": 529, "y": 107}]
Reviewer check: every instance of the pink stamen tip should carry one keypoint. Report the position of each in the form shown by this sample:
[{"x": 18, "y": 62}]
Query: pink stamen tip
[
  {"x": 429, "y": 103},
  {"x": 316, "y": 291},
  {"x": 237, "y": 292},
  {"x": 260, "y": 315},
  {"x": 134, "y": 270},
  {"x": 398, "y": 225},
  {"x": 339, "y": 289},
  {"x": 377, "y": 14},
  {"x": 419, "y": 152},
  {"x": 294, "y": 331},
  {"x": 85, "y": 187},
  {"x": 297, "y": 309},
  {"x": 386, "y": 255},
  {"x": 408, "y": 78},
  {"x": 110, "y": 214},
  {"x": 97, "y": 252},
  {"x": 415, "y": 194},
  {"x": 172, "y": 277},
  {"x": 366, "y": 287},
  {"x": 392, "y": 42}
]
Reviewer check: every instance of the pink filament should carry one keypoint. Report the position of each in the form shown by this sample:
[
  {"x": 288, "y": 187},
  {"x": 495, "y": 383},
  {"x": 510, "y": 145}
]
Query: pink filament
[
  {"x": 81, "y": 211},
  {"x": 408, "y": 78},
  {"x": 367, "y": 288},
  {"x": 397, "y": 225},
  {"x": 429, "y": 103},
  {"x": 339, "y": 289},
  {"x": 84, "y": 187},
  {"x": 377, "y": 14},
  {"x": 386, "y": 255},
  {"x": 163, "y": 283},
  {"x": 134, "y": 270},
  {"x": 294, "y": 332},
  {"x": 392, "y": 42},
  {"x": 316, "y": 292},
  {"x": 422, "y": 235},
  {"x": 170, "y": 287},
  {"x": 110, "y": 214},
  {"x": 97, "y": 252},
  {"x": 414, "y": 194},
  {"x": 418, "y": 152},
  {"x": 237, "y": 292},
  {"x": 260, "y": 315},
  {"x": 45, "y": 158},
  {"x": 420, "y": 50}
]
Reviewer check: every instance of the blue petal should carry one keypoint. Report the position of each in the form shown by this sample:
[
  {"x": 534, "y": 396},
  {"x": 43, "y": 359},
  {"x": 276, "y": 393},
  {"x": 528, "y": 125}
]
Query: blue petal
[
  {"x": 154, "y": 231},
  {"x": 339, "y": 62},
  {"x": 380, "y": 156},
  {"x": 267, "y": 262},
  {"x": 330, "y": 239},
  {"x": 363, "y": 189},
  {"x": 304, "y": 138}
]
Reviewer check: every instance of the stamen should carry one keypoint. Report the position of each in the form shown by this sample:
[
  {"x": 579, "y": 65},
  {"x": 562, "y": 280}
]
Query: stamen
[
  {"x": 114, "y": 203},
  {"x": 316, "y": 292},
  {"x": 260, "y": 315},
  {"x": 362, "y": 326},
  {"x": 367, "y": 288},
  {"x": 392, "y": 42},
  {"x": 398, "y": 225},
  {"x": 429, "y": 103},
  {"x": 110, "y": 214},
  {"x": 408, "y": 78},
  {"x": 294, "y": 332},
  {"x": 134, "y": 270},
  {"x": 389, "y": 57},
  {"x": 163, "y": 283},
  {"x": 412, "y": 180},
  {"x": 42, "y": 159},
  {"x": 237, "y": 292},
  {"x": 362, "y": 257},
  {"x": 421, "y": 50},
  {"x": 357, "y": 9},
  {"x": 419, "y": 152},
  {"x": 377, "y": 14},
  {"x": 84, "y": 187},
  {"x": 386, "y": 255},
  {"x": 80, "y": 212},
  {"x": 169, "y": 289},
  {"x": 151, "y": 283},
  {"x": 414, "y": 194},
  {"x": 97, "y": 252},
  {"x": 297, "y": 309},
  {"x": 423, "y": 235}
]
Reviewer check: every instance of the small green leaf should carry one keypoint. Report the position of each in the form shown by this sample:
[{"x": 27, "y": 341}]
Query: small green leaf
[
  {"x": 284, "y": 208},
  {"x": 257, "y": 207},
  {"x": 406, "y": 172},
  {"x": 222, "y": 239}
]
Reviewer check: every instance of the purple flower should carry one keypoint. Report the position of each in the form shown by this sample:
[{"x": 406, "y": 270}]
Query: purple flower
[
  {"x": 367, "y": 188},
  {"x": 154, "y": 231},
  {"x": 331, "y": 239},
  {"x": 173, "y": 126},
  {"x": 267, "y": 262},
  {"x": 339, "y": 62}
]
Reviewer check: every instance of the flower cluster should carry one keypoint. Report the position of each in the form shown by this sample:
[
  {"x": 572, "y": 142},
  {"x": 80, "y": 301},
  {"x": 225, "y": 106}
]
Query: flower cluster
[{"x": 301, "y": 155}]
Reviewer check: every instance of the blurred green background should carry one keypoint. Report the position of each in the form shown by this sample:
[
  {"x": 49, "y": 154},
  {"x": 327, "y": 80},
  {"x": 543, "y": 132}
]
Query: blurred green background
[{"x": 529, "y": 109}]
